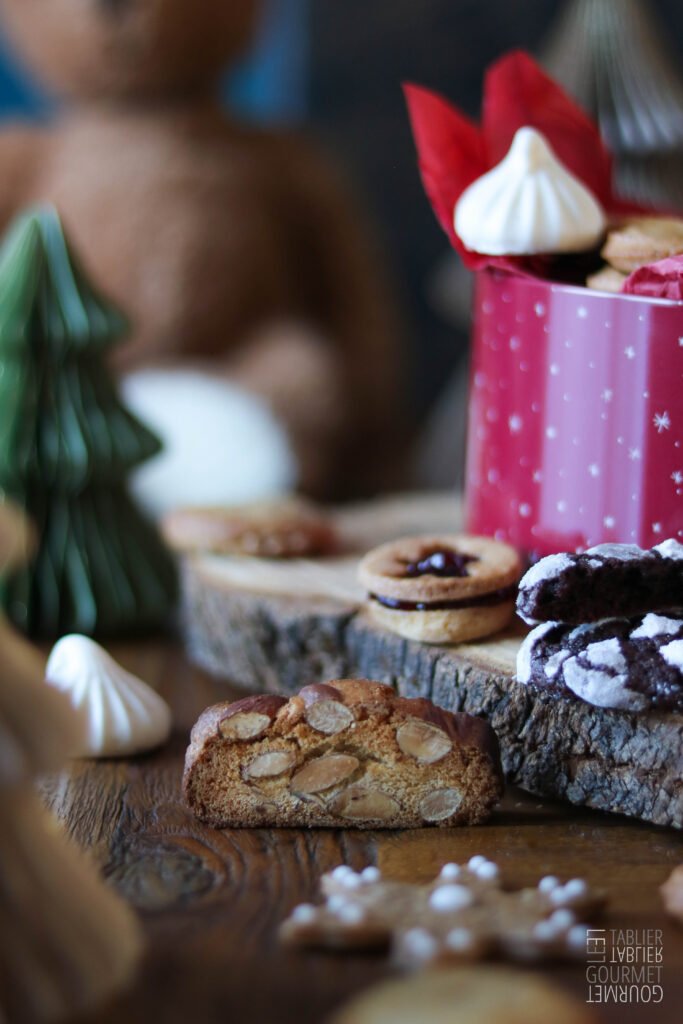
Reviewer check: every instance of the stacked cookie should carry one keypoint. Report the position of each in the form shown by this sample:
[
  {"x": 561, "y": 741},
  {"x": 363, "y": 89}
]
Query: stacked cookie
[
  {"x": 608, "y": 626},
  {"x": 636, "y": 243},
  {"x": 442, "y": 590}
]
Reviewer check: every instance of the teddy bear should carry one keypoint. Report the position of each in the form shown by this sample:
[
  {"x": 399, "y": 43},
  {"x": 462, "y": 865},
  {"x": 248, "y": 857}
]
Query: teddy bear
[{"x": 264, "y": 345}]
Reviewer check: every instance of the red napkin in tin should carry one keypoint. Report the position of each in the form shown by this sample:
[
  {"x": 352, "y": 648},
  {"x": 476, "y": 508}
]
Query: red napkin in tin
[
  {"x": 453, "y": 151},
  {"x": 661, "y": 280}
]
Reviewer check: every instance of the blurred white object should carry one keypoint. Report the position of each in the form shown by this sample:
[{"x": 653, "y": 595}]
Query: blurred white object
[
  {"x": 222, "y": 445},
  {"x": 529, "y": 203},
  {"x": 118, "y": 714}
]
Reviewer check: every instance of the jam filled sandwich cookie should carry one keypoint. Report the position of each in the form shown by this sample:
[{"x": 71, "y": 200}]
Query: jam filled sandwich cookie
[
  {"x": 280, "y": 529},
  {"x": 346, "y": 753},
  {"x": 447, "y": 589}
]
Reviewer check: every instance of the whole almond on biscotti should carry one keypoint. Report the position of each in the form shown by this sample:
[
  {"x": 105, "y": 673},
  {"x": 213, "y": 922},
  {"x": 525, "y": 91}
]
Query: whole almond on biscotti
[
  {"x": 366, "y": 803},
  {"x": 249, "y": 718},
  {"x": 423, "y": 741},
  {"x": 325, "y": 710},
  {"x": 324, "y": 772},
  {"x": 269, "y": 764}
]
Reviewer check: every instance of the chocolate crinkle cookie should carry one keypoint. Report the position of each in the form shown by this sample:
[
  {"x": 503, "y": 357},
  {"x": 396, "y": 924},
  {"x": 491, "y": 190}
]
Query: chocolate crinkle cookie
[
  {"x": 345, "y": 753},
  {"x": 607, "y": 580},
  {"x": 634, "y": 664}
]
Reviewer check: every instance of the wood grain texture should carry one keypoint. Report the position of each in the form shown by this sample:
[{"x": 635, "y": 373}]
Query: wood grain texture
[
  {"x": 211, "y": 901},
  {"x": 278, "y": 627}
]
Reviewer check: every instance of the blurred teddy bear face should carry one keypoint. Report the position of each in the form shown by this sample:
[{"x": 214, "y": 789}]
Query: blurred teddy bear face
[{"x": 119, "y": 48}]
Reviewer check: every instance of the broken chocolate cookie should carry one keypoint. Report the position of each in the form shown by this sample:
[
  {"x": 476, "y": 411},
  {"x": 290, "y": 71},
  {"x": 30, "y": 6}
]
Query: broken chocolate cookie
[
  {"x": 345, "y": 753},
  {"x": 606, "y": 581}
]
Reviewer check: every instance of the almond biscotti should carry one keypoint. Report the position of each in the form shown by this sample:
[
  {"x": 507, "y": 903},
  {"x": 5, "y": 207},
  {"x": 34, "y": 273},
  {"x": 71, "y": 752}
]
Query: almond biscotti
[{"x": 345, "y": 753}]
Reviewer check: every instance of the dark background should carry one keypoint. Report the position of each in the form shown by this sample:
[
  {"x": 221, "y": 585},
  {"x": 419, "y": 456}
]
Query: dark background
[
  {"x": 361, "y": 52},
  {"x": 334, "y": 68}
]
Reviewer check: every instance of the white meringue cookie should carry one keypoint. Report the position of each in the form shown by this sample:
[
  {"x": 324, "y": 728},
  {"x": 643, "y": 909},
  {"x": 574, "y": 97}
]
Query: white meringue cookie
[
  {"x": 529, "y": 203},
  {"x": 117, "y": 713}
]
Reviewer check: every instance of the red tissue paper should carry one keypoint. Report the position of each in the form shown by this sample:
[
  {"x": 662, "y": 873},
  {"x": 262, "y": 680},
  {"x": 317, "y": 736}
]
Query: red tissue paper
[
  {"x": 453, "y": 151},
  {"x": 661, "y": 280}
]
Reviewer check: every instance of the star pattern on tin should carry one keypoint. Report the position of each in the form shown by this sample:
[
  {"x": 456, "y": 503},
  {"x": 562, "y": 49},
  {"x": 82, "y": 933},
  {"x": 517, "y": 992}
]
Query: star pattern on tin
[{"x": 662, "y": 421}]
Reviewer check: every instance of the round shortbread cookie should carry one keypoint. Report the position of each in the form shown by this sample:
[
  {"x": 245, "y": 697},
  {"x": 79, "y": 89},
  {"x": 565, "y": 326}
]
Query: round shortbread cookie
[
  {"x": 471, "y": 995},
  {"x": 281, "y": 529},
  {"x": 643, "y": 240},
  {"x": 672, "y": 893}
]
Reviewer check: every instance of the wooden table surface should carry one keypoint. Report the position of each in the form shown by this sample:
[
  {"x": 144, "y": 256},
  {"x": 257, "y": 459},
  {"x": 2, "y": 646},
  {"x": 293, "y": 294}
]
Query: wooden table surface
[{"x": 211, "y": 901}]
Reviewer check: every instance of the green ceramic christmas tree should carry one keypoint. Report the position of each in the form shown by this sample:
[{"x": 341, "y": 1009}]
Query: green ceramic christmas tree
[{"x": 67, "y": 445}]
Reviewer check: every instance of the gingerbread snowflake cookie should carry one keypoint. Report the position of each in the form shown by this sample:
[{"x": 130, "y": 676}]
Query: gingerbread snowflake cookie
[
  {"x": 464, "y": 914},
  {"x": 345, "y": 753},
  {"x": 447, "y": 589},
  {"x": 605, "y": 581},
  {"x": 289, "y": 528},
  {"x": 631, "y": 664}
]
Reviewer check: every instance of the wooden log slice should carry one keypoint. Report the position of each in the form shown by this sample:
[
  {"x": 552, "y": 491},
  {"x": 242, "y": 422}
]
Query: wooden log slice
[{"x": 276, "y": 627}]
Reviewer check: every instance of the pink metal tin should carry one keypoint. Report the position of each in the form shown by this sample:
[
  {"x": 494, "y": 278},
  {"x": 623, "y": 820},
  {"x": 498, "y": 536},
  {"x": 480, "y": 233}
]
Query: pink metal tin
[{"x": 576, "y": 416}]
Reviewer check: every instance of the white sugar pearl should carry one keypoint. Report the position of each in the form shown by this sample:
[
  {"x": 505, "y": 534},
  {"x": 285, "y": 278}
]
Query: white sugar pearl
[
  {"x": 544, "y": 931},
  {"x": 563, "y": 918},
  {"x": 335, "y": 902},
  {"x": 459, "y": 939},
  {"x": 351, "y": 913},
  {"x": 487, "y": 870},
  {"x": 577, "y": 936},
  {"x": 304, "y": 913},
  {"x": 450, "y": 871},
  {"x": 559, "y": 895},
  {"x": 351, "y": 881},
  {"x": 341, "y": 872},
  {"x": 474, "y": 862},
  {"x": 450, "y": 897},
  {"x": 370, "y": 875},
  {"x": 420, "y": 943},
  {"x": 548, "y": 883},
  {"x": 576, "y": 887}
]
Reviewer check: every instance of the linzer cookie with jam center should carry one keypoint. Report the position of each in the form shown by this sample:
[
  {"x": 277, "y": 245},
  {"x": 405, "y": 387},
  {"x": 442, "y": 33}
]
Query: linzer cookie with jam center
[
  {"x": 346, "y": 753},
  {"x": 447, "y": 589}
]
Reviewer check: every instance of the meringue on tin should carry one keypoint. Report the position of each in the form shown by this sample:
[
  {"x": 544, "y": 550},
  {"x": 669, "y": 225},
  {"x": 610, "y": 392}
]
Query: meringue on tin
[{"x": 528, "y": 204}]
